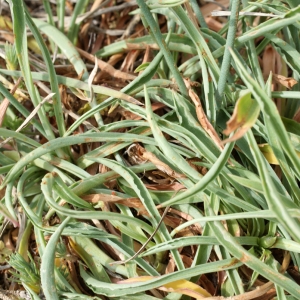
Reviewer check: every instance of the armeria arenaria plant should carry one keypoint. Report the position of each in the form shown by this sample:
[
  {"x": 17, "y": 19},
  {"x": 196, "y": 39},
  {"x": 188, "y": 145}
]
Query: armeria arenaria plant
[{"x": 150, "y": 150}]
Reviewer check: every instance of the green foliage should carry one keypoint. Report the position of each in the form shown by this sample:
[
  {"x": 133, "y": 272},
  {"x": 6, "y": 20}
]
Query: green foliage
[
  {"x": 26, "y": 272},
  {"x": 11, "y": 57},
  {"x": 227, "y": 207}
]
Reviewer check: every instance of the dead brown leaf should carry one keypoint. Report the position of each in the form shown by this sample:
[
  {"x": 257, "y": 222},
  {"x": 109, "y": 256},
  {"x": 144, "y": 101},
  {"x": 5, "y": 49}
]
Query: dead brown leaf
[
  {"x": 146, "y": 57},
  {"x": 202, "y": 116},
  {"x": 74, "y": 276},
  {"x": 213, "y": 24},
  {"x": 171, "y": 221},
  {"x": 288, "y": 82},
  {"x": 245, "y": 114},
  {"x": 170, "y": 266},
  {"x": 187, "y": 261},
  {"x": 148, "y": 156},
  {"x": 207, "y": 284},
  {"x": 297, "y": 116},
  {"x": 159, "y": 177},
  {"x": 105, "y": 67},
  {"x": 176, "y": 186},
  {"x": 271, "y": 61},
  {"x": 186, "y": 217},
  {"x": 200, "y": 169},
  {"x": 214, "y": 5},
  {"x": 139, "y": 154},
  {"x": 129, "y": 202},
  {"x": 128, "y": 62}
]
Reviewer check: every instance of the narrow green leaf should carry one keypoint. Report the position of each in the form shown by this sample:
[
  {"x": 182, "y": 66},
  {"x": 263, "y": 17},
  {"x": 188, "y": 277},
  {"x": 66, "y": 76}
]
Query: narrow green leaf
[
  {"x": 270, "y": 111},
  {"x": 47, "y": 265}
]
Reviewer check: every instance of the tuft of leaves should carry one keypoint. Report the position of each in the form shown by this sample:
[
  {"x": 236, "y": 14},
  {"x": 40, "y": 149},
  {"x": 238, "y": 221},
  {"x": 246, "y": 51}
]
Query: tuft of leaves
[
  {"x": 26, "y": 272},
  {"x": 115, "y": 141}
]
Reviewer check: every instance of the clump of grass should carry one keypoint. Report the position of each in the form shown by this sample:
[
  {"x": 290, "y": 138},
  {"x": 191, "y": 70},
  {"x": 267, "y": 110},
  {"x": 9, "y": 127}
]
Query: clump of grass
[
  {"x": 195, "y": 157},
  {"x": 26, "y": 272}
]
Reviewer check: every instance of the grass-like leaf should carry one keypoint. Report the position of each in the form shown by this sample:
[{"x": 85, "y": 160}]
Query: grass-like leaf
[{"x": 121, "y": 186}]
